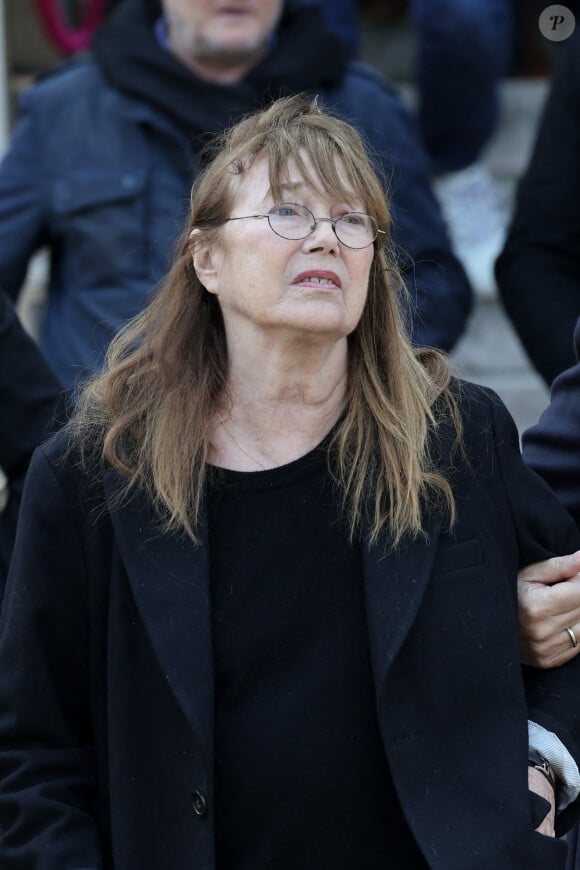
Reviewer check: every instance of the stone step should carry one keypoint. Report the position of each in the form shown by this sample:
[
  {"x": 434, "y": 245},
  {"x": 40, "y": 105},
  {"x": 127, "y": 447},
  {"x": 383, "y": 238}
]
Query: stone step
[{"x": 490, "y": 353}]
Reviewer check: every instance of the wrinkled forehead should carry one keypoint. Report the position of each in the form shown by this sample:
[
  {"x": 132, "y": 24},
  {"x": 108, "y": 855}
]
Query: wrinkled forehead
[{"x": 265, "y": 177}]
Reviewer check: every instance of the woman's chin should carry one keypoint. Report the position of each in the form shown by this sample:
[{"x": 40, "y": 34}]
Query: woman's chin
[
  {"x": 322, "y": 318},
  {"x": 333, "y": 329}
]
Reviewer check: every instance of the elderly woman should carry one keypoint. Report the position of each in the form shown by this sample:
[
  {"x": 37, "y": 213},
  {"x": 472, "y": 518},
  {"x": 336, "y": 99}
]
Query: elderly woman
[{"x": 262, "y": 609}]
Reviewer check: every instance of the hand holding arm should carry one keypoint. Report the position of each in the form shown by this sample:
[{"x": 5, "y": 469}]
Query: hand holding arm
[{"x": 547, "y": 607}]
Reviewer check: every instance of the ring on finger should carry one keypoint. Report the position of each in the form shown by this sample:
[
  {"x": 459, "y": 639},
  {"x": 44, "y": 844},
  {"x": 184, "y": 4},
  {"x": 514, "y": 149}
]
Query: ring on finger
[{"x": 572, "y": 637}]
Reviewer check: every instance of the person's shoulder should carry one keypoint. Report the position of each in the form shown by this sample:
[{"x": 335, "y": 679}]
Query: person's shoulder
[
  {"x": 361, "y": 81},
  {"x": 472, "y": 424},
  {"x": 70, "y": 80},
  {"x": 365, "y": 98},
  {"x": 484, "y": 414},
  {"x": 367, "y": 76},
  {"x": 59, "y": 448},
  {"x": 475, "y": 401},
  {"x": 74, "y": 468},
  {"x": 472, "y": 402},
  {"x": 471, "y": 395}
]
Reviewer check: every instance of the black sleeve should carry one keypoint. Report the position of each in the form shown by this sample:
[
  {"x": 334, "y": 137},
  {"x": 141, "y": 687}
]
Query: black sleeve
[
  {"x": 47, "y": 760},
  {"x": 552, "y": 446},
  {"x": 538, "y": 272},
  {"x": 32, "y": 405},
  {"x": 543, "y": 529},
  {"x": 31, "y": 398}
]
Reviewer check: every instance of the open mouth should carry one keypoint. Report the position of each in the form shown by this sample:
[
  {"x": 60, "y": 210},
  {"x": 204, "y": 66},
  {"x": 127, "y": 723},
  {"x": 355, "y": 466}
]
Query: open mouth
[{"x": 323, "y": 280}]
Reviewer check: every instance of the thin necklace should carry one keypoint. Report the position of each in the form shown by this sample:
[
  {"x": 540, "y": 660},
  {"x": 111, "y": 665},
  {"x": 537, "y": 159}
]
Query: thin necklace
[{"x": 239, "y": 444}]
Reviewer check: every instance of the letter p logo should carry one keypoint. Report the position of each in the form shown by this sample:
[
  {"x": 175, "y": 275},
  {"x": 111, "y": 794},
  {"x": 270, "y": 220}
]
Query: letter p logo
[{"x": 557, "y": 23}]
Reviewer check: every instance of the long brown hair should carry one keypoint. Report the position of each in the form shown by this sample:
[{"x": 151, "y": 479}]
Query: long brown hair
[{"x": 166, "y": 371}]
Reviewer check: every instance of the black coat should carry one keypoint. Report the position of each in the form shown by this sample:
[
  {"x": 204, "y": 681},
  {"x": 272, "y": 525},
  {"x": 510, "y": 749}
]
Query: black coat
[{"x": 106, "y": 709}]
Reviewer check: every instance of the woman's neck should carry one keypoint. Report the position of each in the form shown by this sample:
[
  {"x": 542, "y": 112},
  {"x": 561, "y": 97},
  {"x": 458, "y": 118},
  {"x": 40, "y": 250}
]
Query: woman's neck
[{"x": 277, "y": 411}]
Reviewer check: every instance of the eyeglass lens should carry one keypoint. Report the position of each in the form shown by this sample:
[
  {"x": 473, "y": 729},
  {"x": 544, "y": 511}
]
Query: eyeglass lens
[{"x": 291, "y": 221}]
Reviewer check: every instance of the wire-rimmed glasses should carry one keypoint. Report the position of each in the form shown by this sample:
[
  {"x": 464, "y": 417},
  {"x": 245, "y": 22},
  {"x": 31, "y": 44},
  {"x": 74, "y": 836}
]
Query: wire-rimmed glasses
[{"x": 292, "y": 221}]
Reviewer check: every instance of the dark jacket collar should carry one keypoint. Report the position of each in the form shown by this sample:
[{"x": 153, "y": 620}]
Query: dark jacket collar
[{"x": 169, "y": 578}]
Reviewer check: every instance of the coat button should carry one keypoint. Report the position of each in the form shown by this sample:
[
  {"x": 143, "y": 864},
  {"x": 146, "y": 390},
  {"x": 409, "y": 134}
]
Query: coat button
[{"x": 199, "y": 803}]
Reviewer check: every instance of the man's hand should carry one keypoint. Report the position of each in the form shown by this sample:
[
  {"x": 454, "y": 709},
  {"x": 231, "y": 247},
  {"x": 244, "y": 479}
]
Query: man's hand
[
  {"x": 547, "y": 607},
  {"x": 537, "y": 782}
]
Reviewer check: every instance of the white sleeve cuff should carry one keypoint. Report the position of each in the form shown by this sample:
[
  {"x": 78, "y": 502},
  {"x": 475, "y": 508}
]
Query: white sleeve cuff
[{"x": 551, "y": 747}]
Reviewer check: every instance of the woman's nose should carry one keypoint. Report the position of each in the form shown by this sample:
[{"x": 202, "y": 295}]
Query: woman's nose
[{"x": 323, "y": 234}]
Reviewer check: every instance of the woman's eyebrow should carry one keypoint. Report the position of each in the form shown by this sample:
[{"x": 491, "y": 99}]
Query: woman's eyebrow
[
  {"x": 288, "y": 186},
  {"x": 293, "y": 186}
]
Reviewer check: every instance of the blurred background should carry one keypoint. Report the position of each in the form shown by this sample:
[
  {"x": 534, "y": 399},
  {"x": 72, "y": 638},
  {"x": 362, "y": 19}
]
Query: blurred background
[{"x": 489, "y": 352}]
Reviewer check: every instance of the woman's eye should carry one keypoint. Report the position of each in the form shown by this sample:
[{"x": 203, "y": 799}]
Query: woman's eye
[
  {"x": 285, "y": 210},
  {"x": 356, "y": 220}
]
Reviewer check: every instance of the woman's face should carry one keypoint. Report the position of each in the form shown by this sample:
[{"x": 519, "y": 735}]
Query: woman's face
[{"x": 314, "y": 286}]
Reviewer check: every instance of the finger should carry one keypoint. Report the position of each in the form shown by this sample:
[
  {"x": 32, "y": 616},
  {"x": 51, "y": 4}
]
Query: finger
[
  {"x": 544, "y": 614},
  {"x": 547, "y": 609},
  {"x": 552, "y": 570},
  {"x": 542, "y": 623},
  {"x": 551, "y": 651}
]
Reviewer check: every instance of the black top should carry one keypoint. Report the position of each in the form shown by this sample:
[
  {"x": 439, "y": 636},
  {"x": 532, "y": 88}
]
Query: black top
[{"x": 302, "y": 780}]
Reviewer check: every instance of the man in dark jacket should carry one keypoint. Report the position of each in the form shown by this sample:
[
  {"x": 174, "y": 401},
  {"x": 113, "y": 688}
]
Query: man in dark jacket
[
  {"x": 100, "y": 165},
  {"x": 538, "y": 272}
]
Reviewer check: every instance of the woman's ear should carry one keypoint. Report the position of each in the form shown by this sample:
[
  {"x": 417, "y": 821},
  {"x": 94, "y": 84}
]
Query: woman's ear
[{"x": 204, "y": 259}]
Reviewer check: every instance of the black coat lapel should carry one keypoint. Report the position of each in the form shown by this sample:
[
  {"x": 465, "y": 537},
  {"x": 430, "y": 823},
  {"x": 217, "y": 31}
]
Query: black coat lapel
[
  {"x": 169, "y": 577},
  {"x": 395, "y": 582}
]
